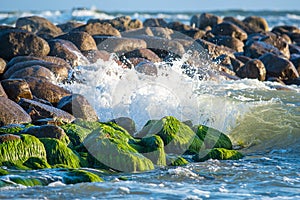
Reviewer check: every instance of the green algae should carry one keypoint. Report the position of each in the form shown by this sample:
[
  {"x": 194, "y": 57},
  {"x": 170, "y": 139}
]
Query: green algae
[
  {"x": 3, "y": 172},
  {"x": 29, "y": 182},
  {"x": 59, "y": 153},
  {"x": 78, "y": 176},
  {"x": 219, "y": 154},
  {"x": 213, "y": 138},
  {"x": 14, "y": 128},
  {"x": 109, "y": 146},
  {"x": 153, "y": 148},
  {"x": 76, "y": 133},
  {"x": 36, "y": 163},
  {"x": 16, "y": 152},
  {"x": 175, "y": 160}
]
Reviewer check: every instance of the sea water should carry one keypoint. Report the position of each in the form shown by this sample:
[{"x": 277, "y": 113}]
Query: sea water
[{"x": 262, "y": 117}]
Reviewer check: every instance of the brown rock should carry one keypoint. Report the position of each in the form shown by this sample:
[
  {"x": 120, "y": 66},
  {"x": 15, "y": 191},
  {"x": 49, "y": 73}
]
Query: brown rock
[
  {"x": 126, "y": 123},
  {"x": 155, "y": 22},
  {"x": 253, "y": 69},
  {"x": 121, "y": 45},
  {"x": 295, "y": 37},
  {"x": 134, "y": 24},
  {"x": 255, "y": 49},
  {"x": 69, "y": 26},
  {"x": 279, "y": 67},
  {"x": 214, "y": 50},
  {"x": 82, "y": 40},
  {"x": 61, "y": 72},
  {"x": 242, "y": 58},
  {"x": 296, "y": 61},
  {"x": 94, "y": 55},
  {"x": 38, "y": 25},
  {"x": 143, "y": 53},
  {"x": 18, "y": 43},
  {"x": 239, "y": 23},
  {"x": 46, "y": 90},
  {"x": 46, "y": 131},
  {"x": 162, "y": 32},
  {"x": 16, "y": 89},
  {"x": 285, "y": 29},
  {"x": 99, "y": 29},
  {"x": 67, "y": 51},
  {"x": 257, "y": 24},
  {"x": 178, "y": 26},
  {"x": 137, "y": 32},
  {"x": 78, "y": 106},
  {"x": 229, "y": 29},
  {"x": 295, "y": 81},
  {"x": 147, "y": 68},
  {"x": 135, "y": 61},
  {"x": 279, "y": 42},
  {"x": 2, "y": 92},
  {"x": 122, "y": 23},
  {"x": 8, "y": 137},
  {"x": 228, "y": 41},
  {"x": 205, "y": 20},
  {"x": 2, "y": 66},
  {"x": 35, "y": 71},
  {"x": 40, "y": 111},
  {"x": 12, "y": 113}
]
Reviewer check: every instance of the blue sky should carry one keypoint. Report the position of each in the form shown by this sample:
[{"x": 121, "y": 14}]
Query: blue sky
[{"x": 150, "y": 5}]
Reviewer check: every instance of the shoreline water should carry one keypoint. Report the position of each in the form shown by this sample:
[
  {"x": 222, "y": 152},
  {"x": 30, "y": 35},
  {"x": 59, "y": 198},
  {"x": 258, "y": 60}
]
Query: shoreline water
[{"x": 261, "y": 117}]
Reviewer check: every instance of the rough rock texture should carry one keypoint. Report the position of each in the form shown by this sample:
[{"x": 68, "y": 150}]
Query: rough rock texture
[
  {"x": 229, "y": 29},
  {"x": 205, "y": 20},
  {"x": 253, "y": 69},
  {"x": 78, "y": 106},
  {"x": 16, "y": 89},
  {"x": 46, "y": 131},
  {"x": 12, "y": 113},
  {"x": 99, "y": 29}
]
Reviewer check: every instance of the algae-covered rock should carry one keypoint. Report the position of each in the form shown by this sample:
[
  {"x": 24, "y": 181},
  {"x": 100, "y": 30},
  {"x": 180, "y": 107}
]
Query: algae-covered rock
[
  {"x": 36, "y": 163},
  {"x": 153, "y": 148},
  {"x": 219, "y": 154},
  {"x": 3, "y": 172},
  {"x": 76, "y": 133},
  {"x": 26, "y": 181},
  {"x": 109, "y": 146},
  {"x": 213, "y": 138},
  {"x": 78, "y": 176},
  {"x": 59, "y": 153},
  {"x": 175, "y": 160},
  {"x": 18, "y": 151},
  {"x": 176, "y": 135}
]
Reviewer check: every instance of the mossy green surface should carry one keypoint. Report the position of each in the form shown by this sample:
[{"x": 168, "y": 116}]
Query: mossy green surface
[
  {"x": 14, "y": 128},
  {"x": 213, "y": 138},
  {"x": 3, "y": 172},
  {"x": 109, "y": 146},
  {"x": 36, "y": 163},
  {"x": 78, "y": 176},
  {"x": 153, "y": 148},
  {"x": 29, "y": 182},
  {"x": 59, "y": 153},
  {"x": 16, "y": 152},
  {"x": 219, "y": 154},
  {"x": 76, "y": 133},
  {"x": 177, "y": 136},
  {"x": 174, "y": 160}
]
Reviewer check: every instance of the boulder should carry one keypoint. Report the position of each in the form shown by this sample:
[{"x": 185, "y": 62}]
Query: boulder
[
  {"x": 8, "y": 137},
  {"x": 121, "y": 45},
  {"x": 109, "y": 146},
  {"x": 74, "y": 176},
  {"x": 205, "y": 20},
  {"x": 67, "y": 51},
  {"x": 229, "y": 29},
  {"x": 58, "y": 154},
  {"x": 76, "y": 133},
  {"x": 137, "y": 32},
  {"x": 39, "y": 110},
  {"x": 255, "y": 49},
  {"x": 38, "y": 25},
  {"x": 69, "y": 26},
  {"x": 16, "y": 152},
  {"x": 294, "y": 49},
  {"x": 214, "y": 50},
  {"x": 219, "y": 154},
  {"x": 238, "y": 23},
  {"x": 162, "y": 32},
  {"x": 155, "y": 22},
  {"x": 78, "y": 106},
  {"x": 46, "y": 131},
  {"x": 147, "y": 68},
  {"x": 228, "y": 41},
  {"x": 18, "y": 43},
  {"x": 143, "y": 53},
  {"x": 94, "y": 55},
  {"x": 57, "y": 72},
  {"x": 82, "y": 40},
  {"x": 16, "y": 89},
  {"x": 127, "y": 123},
  {"x": 254, "y": 69},
  {"x": 12, "y": 113},
  {"x": 285, "y": 29},
  {"x": 2, "y": 92},
  {"x": 35, "y": 71},
  {"x": 2, "y": 66},
  {"x": 179, "y": 26},
  {"x": 256, "y": 24},
  {"x": 46, "y": 90},
  {"x": 296, "y": 61},
  {"x": 279, "y": 67},
  {"x": 122, "y": 23},
  {"x": 279, "y": 42},
  {"x": 99, "y": 29}
]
